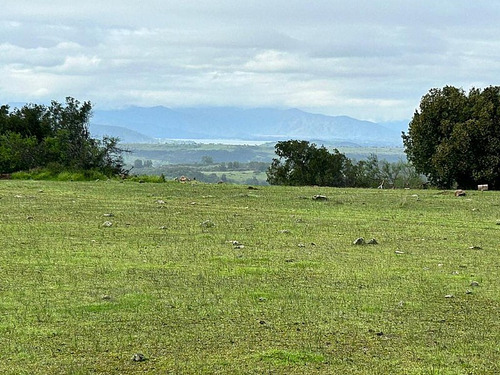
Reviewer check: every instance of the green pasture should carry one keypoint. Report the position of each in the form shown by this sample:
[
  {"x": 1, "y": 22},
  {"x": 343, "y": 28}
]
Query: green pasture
[{"x": 223, "y": 279}]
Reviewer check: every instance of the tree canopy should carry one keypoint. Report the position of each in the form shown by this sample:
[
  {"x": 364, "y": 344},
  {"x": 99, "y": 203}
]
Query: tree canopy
[
  {"x": 454, "y": 137},
  {"x": 303, "y": 163},
  {"x": 37, "y": 136}
]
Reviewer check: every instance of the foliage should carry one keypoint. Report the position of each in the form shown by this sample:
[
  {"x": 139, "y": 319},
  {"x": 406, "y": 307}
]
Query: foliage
[
  {"x": 36, "y": 136},
  {"x": 53, "y": 173},
  {"x": 302, "y": 163},
  {"x": 207, "y": 160},
  {"x": 454, "y": 137},
  {"x": 78, "y": 297},
  {"x": 147, "y": 178}
]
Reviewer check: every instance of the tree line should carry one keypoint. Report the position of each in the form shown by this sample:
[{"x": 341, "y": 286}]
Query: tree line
[
  {"x": 304, "y": 163},
  {"x": 55, "y": 137},
  {"x": 453, "y": 140}
]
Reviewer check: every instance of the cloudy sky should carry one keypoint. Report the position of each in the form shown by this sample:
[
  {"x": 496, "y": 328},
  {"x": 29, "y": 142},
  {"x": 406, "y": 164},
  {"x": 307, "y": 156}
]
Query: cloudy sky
[{"x": 369, "y": 59}]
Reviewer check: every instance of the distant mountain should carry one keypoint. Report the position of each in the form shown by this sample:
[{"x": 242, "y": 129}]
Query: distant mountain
[
  {"x": 248, "y": 124},
  {"x": 126, "y": 135}
]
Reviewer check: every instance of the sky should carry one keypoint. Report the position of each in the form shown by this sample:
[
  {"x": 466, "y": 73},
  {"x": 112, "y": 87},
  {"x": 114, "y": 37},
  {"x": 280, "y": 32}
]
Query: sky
[{"x": 368, "y": 59}]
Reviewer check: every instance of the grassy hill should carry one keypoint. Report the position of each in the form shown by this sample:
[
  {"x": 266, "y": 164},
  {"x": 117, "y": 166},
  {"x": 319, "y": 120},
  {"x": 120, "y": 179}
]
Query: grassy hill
[{"x": 223, "y": 279}]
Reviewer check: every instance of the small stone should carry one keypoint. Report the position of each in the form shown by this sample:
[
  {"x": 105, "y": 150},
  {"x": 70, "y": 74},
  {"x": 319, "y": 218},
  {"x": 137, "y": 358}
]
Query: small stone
[
  {"x": 160, "y": 201},
  {"x": 108, "y": 215},
  {"x": 138, "y": 357},
  {"x": 468, "y": 291},
  {"x": 373, "y": 241},
  {"x": 238, "y": 247},
  {"x": 319, "y": 197},
  {"x": 163, "y": 227},
  {"x": 475, "y": 247},
  {"x": 474, "y": 283},
  {"x": 449, "y": 296},
  {"x": 262, "y": 299},
  {"x": 106, "y": 297},
  {"x": 107, "y": 224},
  {"x": 359, "y": 241},
  {"x": 301, "y": 245},
  {"x": 399, "y": 252}
]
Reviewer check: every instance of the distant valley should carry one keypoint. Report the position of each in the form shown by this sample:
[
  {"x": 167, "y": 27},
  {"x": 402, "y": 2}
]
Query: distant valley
[{"x": 149, "y": 124}]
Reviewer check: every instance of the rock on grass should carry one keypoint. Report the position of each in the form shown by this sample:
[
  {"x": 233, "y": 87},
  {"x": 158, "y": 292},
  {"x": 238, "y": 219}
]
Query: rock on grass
[
  {"x": 359, "y": 241},
  {"x": 139, "y": 357}
]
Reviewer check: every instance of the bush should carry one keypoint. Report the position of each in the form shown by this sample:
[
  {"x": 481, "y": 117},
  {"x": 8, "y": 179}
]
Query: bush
[
  {"x": 55, "y": 138},
  {"x": 22, "y": 175},
  {"x": 148, "y": 178},
  {"x": 49, "y": 174}
]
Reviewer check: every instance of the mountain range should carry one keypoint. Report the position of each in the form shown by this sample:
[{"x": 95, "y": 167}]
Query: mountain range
[
  {"x": 148, "y": 124},
  {"x": 144, "y": 124}
]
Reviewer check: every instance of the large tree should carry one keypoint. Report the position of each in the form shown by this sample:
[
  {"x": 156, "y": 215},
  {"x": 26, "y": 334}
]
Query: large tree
[
  {"x": 302, "y": 163},
  {"x": 454, "y": 137},
  {"x": 37, "y": 136}
]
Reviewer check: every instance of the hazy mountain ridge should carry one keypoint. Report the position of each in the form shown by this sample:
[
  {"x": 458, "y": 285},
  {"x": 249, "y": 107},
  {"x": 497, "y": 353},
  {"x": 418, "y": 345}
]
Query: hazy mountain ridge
[
  {"x": 126, "y": 135},
  {"x": 250, "y": 124}
]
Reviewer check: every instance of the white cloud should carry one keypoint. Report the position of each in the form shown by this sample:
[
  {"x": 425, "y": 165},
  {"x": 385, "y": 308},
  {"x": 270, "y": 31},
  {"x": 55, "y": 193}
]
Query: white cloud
[{"x": 368, "y": 59}]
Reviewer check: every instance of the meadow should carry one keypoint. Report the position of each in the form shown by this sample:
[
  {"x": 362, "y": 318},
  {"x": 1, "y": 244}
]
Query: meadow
[{"x": 205, "y": 279}]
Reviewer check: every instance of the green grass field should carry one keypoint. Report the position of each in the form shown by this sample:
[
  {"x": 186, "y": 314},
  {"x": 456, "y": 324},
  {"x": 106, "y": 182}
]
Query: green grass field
[{"x": 292, "y": 296}]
